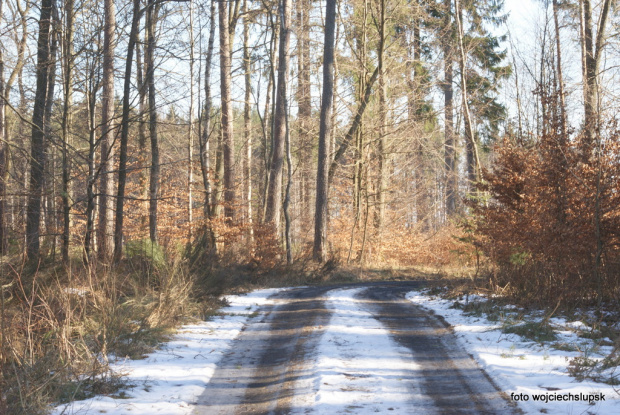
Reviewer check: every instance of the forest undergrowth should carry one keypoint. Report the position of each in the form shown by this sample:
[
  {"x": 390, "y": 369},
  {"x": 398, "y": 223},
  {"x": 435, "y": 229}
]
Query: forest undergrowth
[{"x": 62, "y": 326}]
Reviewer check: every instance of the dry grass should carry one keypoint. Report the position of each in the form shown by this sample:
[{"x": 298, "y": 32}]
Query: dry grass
[{"x": 60, "y": 325}]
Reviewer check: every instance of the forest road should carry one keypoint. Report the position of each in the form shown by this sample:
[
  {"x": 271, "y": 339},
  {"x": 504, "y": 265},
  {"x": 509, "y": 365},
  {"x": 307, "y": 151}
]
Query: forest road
[{"x": 269, "y": 366}]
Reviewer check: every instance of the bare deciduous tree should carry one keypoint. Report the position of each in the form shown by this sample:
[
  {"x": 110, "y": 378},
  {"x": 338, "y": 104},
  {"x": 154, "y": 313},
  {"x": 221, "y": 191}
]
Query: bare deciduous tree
[{"x": 325, "y": 126}]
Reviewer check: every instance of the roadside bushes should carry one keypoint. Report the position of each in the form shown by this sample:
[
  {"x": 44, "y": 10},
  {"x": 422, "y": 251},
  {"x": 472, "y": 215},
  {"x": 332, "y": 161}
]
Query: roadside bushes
[
  {"x": 61, "y": 325},
  {"x": 551, "y": 225}
]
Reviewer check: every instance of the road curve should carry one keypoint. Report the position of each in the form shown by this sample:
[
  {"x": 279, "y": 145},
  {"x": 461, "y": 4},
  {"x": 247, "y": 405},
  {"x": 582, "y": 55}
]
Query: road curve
[
  {"x": 270, "y": 362},
  {"x": 450, "y": 376}
]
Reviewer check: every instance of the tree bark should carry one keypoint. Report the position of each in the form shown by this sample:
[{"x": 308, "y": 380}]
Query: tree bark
[
  {"x": 91, "y": 99},
  {"x": 592, "y": 48},
  {"x": 67, "y": 120},
  {"x": 357, "y": 122},
  {"x": 592, "y": 145},
  {"x": 190, "y": 128},
  {"x": 5, "y": 144},
  {"x": 287, "y": 197},
  {"x": 382, "y": 143},
  {"x": 154, "y": 182},
  {"x": 274, "y": 191},
  {"x": 563, "y": 126},
  {"x": 144, "y": 169},
  {"x": 205, "y": 162},
  {"x": 473, "y": 159},
  {"x": 247, "y": 121},
  {"x": 449, "y": 143},
  {"x": 361, "y": 34},
  {"x": 227, "y": 113},
  {"x": 106, "y": 184},
  {"x": 423, "y": 194},
  {"x": 325, "y": 126},
  {"x": 3, "y": 151},
  {"x": 122, "y": 159},
  {"x": 304, "y": 111},
  {"x": 37, "y": 153},
  {"x": 269, "y": 113},
  {"x": 49, "y": 185},
  {"x": 216, "y": 203}
]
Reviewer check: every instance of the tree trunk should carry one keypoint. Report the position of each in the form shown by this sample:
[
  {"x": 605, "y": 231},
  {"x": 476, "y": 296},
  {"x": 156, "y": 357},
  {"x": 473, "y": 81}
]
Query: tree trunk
[
  {"x": 227, "y": 112},
  {"x": 154, "y": 184},
  {"x": 287, "y": 197},
  {"x": 5, "y": 144},
  {"x": 593, "y": 50},
  {"x": 449, "y": 146},
  {"x": 143, "y": 156},
  {"x": 269, "y": 114},
  {"x": 205, "y": 164},
  {"x": 320, "y": 219},
  {"x": 190, "y": 127},
  {"x": 423, "y": 194},
  {"x": 106, "y": 184},
  {"x": 247, "y": 122},
  {"x": 358, "y": 170},
  {"x": 37, "y": 153},
  {"x": 473, "y": 159},
  {"x": 67, "y": 120},
  {"x": 216, "y": 203},
  {"x": 91, "y": 99},
  {"x": 49, "y": 212},
  {"x": 361, "y": 35},
  {"x": 274, "y": 191},
  {"x": 304, "y": 111},
  {"x": 3, "y": 151},
  {"x": 382, "y": 144},
  {"x": 355, "y": 125},
  {"x": 122, "y": 158},
  {"x": 563, "y": 126}
]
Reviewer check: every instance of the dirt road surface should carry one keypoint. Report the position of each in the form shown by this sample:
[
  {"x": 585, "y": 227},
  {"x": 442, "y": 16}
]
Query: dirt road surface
[{"x": 275, "y": 366}]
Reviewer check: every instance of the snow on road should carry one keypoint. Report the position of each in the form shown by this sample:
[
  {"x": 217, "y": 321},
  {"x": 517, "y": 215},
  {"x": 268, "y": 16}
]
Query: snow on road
[
  {"x": 169, "y": 380},
  {"x": 358, "y": 368},
  {"x": 527, "y": 370}
]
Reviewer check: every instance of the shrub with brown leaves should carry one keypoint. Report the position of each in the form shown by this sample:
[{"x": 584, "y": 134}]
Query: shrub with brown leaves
[{"x": 551, "y": 225}]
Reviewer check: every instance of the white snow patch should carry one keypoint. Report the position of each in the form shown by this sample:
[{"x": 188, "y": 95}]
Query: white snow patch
[
  {"x": 525, "y": 367},
  {"x": 358, "y": 368},
  {"x": 169, "y": 380}
]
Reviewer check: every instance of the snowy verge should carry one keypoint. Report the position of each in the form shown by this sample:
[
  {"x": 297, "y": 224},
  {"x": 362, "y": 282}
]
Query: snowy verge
[
  {"x": 528, "y": 370},
  {"x": 168, "y": 381}
]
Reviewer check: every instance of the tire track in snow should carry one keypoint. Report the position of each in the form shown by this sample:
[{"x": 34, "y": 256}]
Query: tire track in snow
[
  {"x": 358, "y": 368},
  {"x": 349, "y": 349},
  {"x": 448, "y": 375},
  {"x": 259, "y": 373}
]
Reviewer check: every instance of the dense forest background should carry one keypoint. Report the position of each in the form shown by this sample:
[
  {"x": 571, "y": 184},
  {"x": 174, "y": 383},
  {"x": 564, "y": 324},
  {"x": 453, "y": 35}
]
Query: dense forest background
[{"x": 196, "y": 135}]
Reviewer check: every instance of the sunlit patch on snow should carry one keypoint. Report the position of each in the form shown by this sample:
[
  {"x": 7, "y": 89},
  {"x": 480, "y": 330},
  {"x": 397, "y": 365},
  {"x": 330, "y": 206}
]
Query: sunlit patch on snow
[{"x": 358, "y": 368}]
